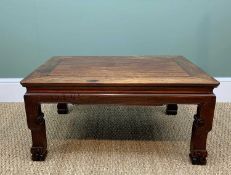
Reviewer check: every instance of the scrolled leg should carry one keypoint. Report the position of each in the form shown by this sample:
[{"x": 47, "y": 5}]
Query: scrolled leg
[
  {"x": 201, "y": 126},
  {"x": 36, "y": 123}
]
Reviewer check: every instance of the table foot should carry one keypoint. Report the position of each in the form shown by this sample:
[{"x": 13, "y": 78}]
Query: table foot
[
  {"x": 62, "y": 108},
  {"x": 198, "y": 158},
  {"x": 171, "y": 109},
  {"x": 38, "y": 153}
]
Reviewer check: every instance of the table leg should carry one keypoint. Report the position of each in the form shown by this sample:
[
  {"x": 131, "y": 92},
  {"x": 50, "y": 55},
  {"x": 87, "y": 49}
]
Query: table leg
[
  {"x": 62, "y": 108},
  {"x": 36, "y": 123},
  {"x": 201, "y": 126},
  {"x": 171, "y": 109}
]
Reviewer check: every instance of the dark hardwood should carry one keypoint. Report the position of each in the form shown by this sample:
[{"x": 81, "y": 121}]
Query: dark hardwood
[
  {"x": 62, "y": 108},
  {"x": 36, "y": 123},
  {"x": 144, "y": 80},
  {"x": 171, "y": 109}
]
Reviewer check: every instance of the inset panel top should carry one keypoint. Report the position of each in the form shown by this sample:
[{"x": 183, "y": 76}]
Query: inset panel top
[{"x": 118, "y": 71}]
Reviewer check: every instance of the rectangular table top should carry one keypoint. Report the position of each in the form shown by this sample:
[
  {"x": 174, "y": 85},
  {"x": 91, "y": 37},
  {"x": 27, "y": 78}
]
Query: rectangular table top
[{"x": 118, "y": 71}]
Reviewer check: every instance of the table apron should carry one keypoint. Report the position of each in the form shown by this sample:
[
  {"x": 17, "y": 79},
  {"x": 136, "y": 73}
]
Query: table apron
[{"x": 126, "y": 99}]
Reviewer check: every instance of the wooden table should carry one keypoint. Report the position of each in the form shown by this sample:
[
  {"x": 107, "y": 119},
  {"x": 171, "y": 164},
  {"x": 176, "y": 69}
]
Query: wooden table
[{"x": 135, "y": 80}]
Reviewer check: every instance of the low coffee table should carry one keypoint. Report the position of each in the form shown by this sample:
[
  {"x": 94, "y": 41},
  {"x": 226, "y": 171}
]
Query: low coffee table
[{"x": 124, "y": 80}]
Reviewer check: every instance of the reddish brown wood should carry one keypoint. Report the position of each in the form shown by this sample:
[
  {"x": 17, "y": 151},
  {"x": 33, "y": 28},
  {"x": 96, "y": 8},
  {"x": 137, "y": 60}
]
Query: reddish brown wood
[
  {"x": 62, "y": 108},
  {"x": 36, "y": 124},
  {"x": 171, "y": 109},
  {"x": 201, "y": 126},
  {"x": 120, "y": 80},
  {"x": 118, "y": 71}
]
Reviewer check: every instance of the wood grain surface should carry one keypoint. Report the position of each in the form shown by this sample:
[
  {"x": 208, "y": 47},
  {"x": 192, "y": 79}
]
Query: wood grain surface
[{"x": 118, "y": 71}]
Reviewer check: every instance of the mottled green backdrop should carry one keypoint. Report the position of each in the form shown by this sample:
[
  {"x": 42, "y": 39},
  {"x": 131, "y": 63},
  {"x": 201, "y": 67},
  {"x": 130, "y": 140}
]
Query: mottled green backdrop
[{"x": 33, "y": 30}]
